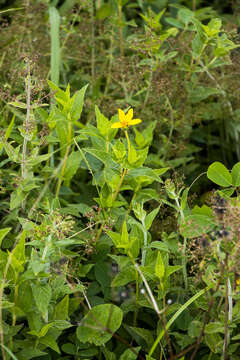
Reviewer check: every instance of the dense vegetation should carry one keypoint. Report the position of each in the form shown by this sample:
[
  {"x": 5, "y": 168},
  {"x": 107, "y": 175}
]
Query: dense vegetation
[{"x": 119, "y": 179}]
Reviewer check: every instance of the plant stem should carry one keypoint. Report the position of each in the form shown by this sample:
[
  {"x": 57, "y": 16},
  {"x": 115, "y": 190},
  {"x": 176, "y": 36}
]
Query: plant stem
[
  {"x": 144, "y": 242},
  {"x": 27, "y": 121},
  {"x": 120, "y": 30},
  {"x": 93, "y": 43}
]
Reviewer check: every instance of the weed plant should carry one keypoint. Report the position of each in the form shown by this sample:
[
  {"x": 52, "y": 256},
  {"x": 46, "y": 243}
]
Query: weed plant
[{"x": 107, "y": 250}]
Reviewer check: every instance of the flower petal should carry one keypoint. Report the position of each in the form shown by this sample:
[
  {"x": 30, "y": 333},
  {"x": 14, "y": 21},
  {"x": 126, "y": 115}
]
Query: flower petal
[
  {"x": 129, "y": 115},
  {"x": 134, "y": 122},
  {"x": 121, "y": 115},
  {"x": 116, "y": 125}
]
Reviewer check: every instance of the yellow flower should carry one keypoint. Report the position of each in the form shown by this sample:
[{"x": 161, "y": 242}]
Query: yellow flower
[{"x": 125, "y": 120}]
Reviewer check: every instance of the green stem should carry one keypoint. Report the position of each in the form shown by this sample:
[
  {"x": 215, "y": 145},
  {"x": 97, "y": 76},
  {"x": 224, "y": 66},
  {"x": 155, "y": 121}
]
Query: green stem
[
  {"x": 144, "y": 243},
  {"x": 128, "y": 142},
  {"x": 120, "y": 30}
]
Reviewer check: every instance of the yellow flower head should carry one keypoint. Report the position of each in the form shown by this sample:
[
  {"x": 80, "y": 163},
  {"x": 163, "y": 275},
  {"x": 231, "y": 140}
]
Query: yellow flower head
[{"x": 125, "y": 120}]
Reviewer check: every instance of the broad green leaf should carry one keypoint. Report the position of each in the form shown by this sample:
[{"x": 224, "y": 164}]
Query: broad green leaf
[
  {"x": 18, "y": 254},
  {"x": 132, "y": 155},
  {"x": 219, "y": 174},
  {"x": 77, "y": 104},
  {"x": 159, "y": 267},
  {"x": 50, "y": 342},
  {"x": 29, "y": 353},
  {"x": 196, "y": 225},
  {"x": 108, "y": 354},
  {"x": 150, "y": 217},
  {"x": 144, "y": 334},
  {"x": 99, "y": 325},
  {"x": 125, "y": 276},
  {"x": 214, "y": 342},
  {"x": 214, "y": 327},
  {"x": 103, "y": 123},
  {"x": 159, "y": 245},
  {"x": 194, "y": 328},
  {"x": 144, "y": 173},
  {"x": 61, "y": 309},
  {"x": 100, "y": 155},
  {"x": 116, "y": 238},
  {"x": 236, "y": 174},
  {"x": 72, "y": 165},
  {"x": 172, "y": 269},
  {"x": 42, "y": 294},
  {"x": 3, "y": 233},
  {"x": 130, "y": 354}
]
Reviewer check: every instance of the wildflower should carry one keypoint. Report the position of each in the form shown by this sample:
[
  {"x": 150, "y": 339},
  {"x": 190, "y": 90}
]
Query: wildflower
[{"x": 125, "y": 120}]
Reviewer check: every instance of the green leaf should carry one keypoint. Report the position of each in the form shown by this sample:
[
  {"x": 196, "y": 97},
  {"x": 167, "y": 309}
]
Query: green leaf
[
  {"x": 214, "y": 327},
  {"x": 144, "y": 334},
  {"x": 196, "y": 225},
  {"x": 72, "y": 165},
  {"x": 116, "y": 238},
  {"x": 214, "y": 342},
  {"x": 18, "y": 254},
  {"x": 42, "y": 294},
  {"x": 29, "y": 353},
  {"x": 3, "y": 233},
  {"x": 61, "y": 309},
  {"x": 100, "y": 324},
  {"x": 77, "y": 104},
  {"x": 159, "y": 245},
  {"x": 144, "y": 174},
  {"x": 150, "y": 217},
  {"x": 219, "y": 174},
  {"x": 172, "y": 269},
  {"x": 129, "y": 354},
  {"x": 61, "y": 324},
  {"x": 236, "y": 174},
  {"x": 201, "y": 93},
  {"x": 125, "y": 276},
  {"x": 124, "y": 236},
  {"x": 103, "y": 123},
  {"x": 50, "y": 342},
  {"x": 100, "y": 155},
  {"x": 159, "y": 267}
]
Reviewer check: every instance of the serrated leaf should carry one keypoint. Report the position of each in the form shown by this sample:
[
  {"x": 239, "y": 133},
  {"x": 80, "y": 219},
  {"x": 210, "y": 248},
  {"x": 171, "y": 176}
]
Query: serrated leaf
[
  {"x": 100, "y": 155},
  {"x": 72, "y": 165},
  {"x": 150, "y": 217},
  {"x": 42, "y": 294},
  {"x": 101, "y": 322}
]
